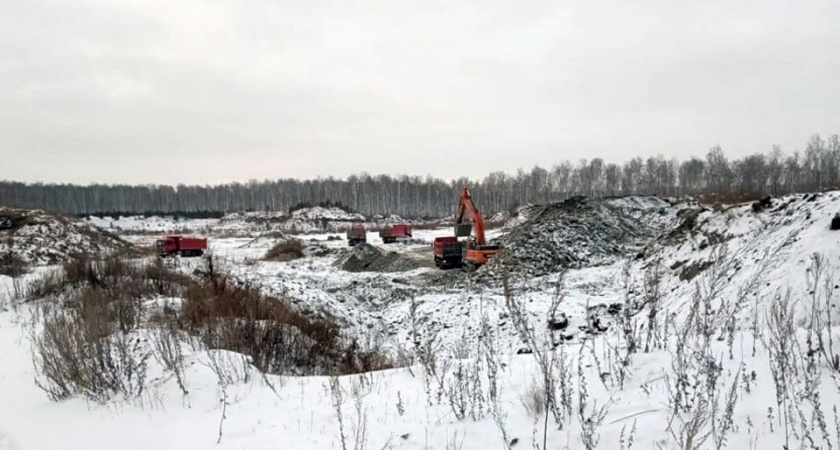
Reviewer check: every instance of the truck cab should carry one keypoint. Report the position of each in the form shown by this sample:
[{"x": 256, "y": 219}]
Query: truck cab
[{"x": 356, "y": 235}]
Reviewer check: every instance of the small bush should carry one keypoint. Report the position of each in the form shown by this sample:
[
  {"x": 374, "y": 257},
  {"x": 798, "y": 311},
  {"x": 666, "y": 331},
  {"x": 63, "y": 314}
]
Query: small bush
[
  {"x": 12, "y": 265},
  {"x": 285, "y": 251}
]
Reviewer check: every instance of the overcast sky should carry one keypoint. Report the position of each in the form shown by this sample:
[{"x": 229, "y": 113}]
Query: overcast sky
[{"x": 209, "y": 91}]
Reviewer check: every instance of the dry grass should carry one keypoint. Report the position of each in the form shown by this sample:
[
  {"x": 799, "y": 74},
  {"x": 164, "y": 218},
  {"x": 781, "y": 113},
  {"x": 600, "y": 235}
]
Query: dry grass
[
  {"x": 85, "y": 341},
  {"x": 534, "y": 399},
  {"x": 12, "y": 265}
]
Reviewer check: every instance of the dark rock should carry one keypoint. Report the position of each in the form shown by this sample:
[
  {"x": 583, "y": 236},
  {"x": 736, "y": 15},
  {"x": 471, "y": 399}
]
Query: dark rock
[
  {"x": 762, "y": 204},
  {"x": 561, "y": 322}
]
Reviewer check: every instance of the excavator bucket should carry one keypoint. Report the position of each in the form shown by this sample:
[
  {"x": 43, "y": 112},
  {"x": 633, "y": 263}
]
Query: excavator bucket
[{"x": 463, "y": 229}]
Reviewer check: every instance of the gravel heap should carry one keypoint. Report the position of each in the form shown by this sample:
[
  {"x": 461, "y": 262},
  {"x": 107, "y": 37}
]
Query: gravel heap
[
  {"x": 580, "y": 232},
  {"x": 368, "y": 258}
]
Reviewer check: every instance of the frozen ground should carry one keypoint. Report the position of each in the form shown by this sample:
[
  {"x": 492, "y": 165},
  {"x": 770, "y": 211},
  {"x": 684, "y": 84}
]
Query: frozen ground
[{"x": 717, "y": 270}]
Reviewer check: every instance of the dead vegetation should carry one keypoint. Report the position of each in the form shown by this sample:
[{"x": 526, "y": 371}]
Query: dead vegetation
[
  {"x": 11, "y": 265},
  {"x": 100, "y": 323}
]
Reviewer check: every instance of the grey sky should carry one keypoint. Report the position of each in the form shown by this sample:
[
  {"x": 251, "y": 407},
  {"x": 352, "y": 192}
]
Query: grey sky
[{"x": 207, "y": 91}]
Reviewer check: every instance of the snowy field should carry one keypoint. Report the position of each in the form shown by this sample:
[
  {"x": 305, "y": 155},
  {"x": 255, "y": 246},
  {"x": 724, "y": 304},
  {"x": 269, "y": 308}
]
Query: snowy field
[{"x": 720, "y": 334}]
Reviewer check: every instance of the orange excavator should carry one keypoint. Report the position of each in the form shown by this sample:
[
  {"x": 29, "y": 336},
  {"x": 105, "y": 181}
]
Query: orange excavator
[
  {"x": 470, "y": 254},
  {"x": 477, "y": 251}
]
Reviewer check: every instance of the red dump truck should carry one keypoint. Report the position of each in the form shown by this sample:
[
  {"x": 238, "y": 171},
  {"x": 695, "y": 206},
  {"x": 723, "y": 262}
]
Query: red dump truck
[
  {"x": 181, "y": 246},
  {"x": 449, "y": 252},
  {"x": 391, "y": 233},
  {"x": 356, "y": 234}
]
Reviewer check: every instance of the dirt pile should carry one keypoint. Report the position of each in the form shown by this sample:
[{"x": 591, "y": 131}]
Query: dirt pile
[
  {"x": 581, "y": 232},
  {"x": 38, "y": 238},
  {"x": 267, "y": 240},
  {"x": 368, "y": 258}
]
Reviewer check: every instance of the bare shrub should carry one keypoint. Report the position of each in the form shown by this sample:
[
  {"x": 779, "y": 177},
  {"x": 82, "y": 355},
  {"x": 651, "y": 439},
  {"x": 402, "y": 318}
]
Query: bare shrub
[
  {"x": 85, "y": 338},
  {"x": 588, "y": 419},
  {"x": 285, "y": 251},
  {"x": 551, "y": 359},
  {"x": 169, "y": 354},
  {"x": 465, "y": 391},
  {"x": 279, "y": 339},
  {"x": 359, "y": 425},
  {"x": 77, "y": 353},
  {"x": 12, "y": 265},
  {"x": 701, "y": 401}
]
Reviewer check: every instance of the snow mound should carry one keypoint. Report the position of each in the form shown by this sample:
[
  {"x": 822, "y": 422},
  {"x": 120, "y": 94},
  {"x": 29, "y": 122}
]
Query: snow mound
[
  {"x": 40, "y": 239},
  {"x": 306, "y": 220},
  {"x": 581, "y": 232},
  {"x": 322, "y": 213}
]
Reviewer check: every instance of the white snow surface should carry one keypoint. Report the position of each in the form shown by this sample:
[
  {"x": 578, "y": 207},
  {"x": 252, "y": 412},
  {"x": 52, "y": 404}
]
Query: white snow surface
[{"x": 762, "y": 255}]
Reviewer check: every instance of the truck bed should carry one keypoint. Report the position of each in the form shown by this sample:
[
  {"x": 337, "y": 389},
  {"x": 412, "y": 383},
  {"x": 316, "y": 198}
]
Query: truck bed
[{"x": 192, "y": 244}]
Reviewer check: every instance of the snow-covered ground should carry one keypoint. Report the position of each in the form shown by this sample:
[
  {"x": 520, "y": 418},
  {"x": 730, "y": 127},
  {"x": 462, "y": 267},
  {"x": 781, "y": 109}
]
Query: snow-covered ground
[
  {"x": 718, "y": 271},
  {"x": 305, "y": 220}
]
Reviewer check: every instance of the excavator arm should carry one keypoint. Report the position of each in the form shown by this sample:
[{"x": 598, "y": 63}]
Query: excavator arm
[{"x": 466, "y": 205}]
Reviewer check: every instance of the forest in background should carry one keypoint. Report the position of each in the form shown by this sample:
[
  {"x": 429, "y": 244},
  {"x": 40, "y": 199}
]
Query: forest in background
[{"x": 815, "y": 168}]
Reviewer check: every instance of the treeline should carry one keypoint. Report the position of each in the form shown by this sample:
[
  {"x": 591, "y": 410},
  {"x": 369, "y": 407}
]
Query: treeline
[{"x": 817, "y": 167}]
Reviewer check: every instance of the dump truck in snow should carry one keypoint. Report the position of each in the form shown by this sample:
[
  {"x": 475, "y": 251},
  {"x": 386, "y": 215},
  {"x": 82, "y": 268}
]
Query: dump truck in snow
[
  {"x": 391, "y": 233},
  {"x": 177, "y": 245},
  {"x": 448, "y": 251},
  {"x": 356, "y": 235}
]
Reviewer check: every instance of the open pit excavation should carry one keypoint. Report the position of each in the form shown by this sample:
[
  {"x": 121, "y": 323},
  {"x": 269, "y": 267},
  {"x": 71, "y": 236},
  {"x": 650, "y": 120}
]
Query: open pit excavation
[{"x": 608, "y": 286}]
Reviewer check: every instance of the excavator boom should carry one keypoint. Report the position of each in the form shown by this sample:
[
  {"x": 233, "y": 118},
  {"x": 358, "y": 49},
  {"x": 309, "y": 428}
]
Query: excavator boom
[{"x": 466, "y": 205}]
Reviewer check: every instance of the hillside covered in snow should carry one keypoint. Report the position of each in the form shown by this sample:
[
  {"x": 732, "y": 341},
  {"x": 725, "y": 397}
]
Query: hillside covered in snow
[{"x": 38, "y": 238}]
